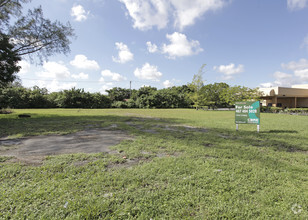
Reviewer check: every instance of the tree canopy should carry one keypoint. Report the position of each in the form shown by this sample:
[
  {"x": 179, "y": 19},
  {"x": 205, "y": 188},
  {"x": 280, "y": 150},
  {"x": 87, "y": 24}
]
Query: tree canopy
[
  {"x": 34, "y": 34},
  {"x": 8, "y": 61},
  {"x": 29, "y": 35}
]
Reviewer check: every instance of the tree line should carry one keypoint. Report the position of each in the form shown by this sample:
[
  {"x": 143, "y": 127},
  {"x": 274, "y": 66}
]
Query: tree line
[{"x": 214, "y": 95}]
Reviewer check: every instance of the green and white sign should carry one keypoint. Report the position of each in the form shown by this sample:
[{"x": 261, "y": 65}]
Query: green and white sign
[{"x": 247, "y": 112}]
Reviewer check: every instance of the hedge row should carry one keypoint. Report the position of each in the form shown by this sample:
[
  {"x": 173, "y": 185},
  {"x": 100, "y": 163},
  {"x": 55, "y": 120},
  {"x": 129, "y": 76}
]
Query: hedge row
[{"x": 303, "y": 111}]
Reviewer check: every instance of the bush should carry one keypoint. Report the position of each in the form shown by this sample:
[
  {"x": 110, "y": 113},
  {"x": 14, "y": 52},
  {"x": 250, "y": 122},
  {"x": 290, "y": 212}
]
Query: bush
[
  {"x": 119, "y": 104},
  {"x": 131, "y": 103},
  {"x": 303, "y": 111},
  {"x": 271, "y": 109},
  {"x": 6, "y": 111},
  {"x": 297, "y": 110}
]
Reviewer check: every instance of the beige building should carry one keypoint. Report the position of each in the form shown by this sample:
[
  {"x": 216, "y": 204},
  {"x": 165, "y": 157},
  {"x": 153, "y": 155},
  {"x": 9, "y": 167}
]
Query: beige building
[{"x": 295, "y": 97}]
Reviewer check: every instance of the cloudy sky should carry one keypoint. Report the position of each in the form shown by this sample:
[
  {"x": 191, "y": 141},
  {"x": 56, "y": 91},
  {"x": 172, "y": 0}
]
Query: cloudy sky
[{"x": 163, "y": 43}]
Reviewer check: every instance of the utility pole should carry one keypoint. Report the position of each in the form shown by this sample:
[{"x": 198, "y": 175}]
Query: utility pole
[{"x": 130, "y": 89}]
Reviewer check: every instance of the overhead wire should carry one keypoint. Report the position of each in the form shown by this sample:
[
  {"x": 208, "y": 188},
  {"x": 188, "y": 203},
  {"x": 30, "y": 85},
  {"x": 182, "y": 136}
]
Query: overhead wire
[{"x": 92, "y": 81}]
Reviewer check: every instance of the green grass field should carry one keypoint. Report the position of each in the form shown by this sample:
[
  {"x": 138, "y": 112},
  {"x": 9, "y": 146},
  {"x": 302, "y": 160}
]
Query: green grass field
[{"x": 209, "y": 173}]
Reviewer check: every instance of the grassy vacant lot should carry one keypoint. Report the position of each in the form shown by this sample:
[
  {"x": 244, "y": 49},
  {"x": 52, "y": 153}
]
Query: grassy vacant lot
[{"x": 167, "y": 172}]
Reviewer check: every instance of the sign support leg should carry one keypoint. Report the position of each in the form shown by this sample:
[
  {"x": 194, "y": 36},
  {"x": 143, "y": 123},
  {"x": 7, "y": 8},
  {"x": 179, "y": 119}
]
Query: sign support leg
[
  {"x": 236, "y": 127},
  {"x": 258, "y": 128}
]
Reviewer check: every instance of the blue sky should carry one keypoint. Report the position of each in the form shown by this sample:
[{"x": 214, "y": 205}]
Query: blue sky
[{"x": 163, "y": 43}]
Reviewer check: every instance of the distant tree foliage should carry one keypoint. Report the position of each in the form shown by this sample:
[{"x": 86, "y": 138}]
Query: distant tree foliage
[
  {"x": 16, "y": 96},
  {"x": 118, "y": 94},
  {"x": 211, "y": 95},
  {"x": 218, "y": 94}
]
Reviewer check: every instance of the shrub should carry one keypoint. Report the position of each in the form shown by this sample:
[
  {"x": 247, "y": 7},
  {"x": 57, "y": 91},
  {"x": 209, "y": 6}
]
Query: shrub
[
  {"x": 271, "y": 109},
  {"x": 297, "y": 110},
  {"x": 119, "y": 104},
  {"x": 131, "y": 103},
  {"x": 6, "y": 111}
]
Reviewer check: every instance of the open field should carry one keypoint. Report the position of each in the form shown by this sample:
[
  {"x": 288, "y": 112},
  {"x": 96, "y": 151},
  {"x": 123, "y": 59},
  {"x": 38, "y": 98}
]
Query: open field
[{"x": 178, "y": 164}]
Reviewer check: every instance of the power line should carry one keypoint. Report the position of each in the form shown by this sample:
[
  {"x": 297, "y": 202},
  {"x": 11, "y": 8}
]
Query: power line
[
  {"x": 92, "y": 81},
  {"x": 88, "y": 81}
]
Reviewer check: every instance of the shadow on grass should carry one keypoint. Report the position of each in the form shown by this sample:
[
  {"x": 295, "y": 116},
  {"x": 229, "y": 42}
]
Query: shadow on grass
[
  {"x": 277, "y": 140},
  {"x": 38, "y": 124},
  {"x": 280, "y": 131},
  {"x": 222, "y": 144}
]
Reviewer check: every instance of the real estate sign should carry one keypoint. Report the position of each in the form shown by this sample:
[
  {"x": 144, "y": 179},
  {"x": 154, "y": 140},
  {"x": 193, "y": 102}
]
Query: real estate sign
[{"x": 247, "y": 112}]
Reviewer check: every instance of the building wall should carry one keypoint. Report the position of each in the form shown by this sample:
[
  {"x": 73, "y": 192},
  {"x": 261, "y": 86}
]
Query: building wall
[
  {"x": 285, "y": 97},
  {"x": 284, "y": 92},
  {"x": 269, "y": 91},
  {"x": 286, "y": 102},
  {"x": 292, "y": 92},
  {"x": 300, "y": 86},
  {"x": 266, "y": 102},
  {"x": 302, "y": 102}
]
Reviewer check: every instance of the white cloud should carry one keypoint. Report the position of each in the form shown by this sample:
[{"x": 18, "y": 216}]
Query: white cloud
[
  {"x": 55, "y": 85},
  {"x": 25, "y": 67},
  {"x": 229, "y": 70},
  {"x": 266, "y": 85},
  {"x": 179, "y": 46},
  {"x": 148, "y": 72},
  {"x": 147, "y": 13},
  {"x": 281, "y": 79},
  {"x": 79, "y": 13},
  {"x": 168, "y": 84},
  {"x": 293, "y": 65},
  {"x": 299, "y": 74},
  {"x": 297, "y": 4},
  {"x": 282, "y": 75},
  {"x": 54, "y": 70},
  {"x": 302, "y": 74},
  {"x": 114, "y": 76},
  {"x": 187, "y": 11},
  {"x": 124, "y": 54},
  {"x": 102, "y": 80},
  {"x": 305, "y": 43},
  {"x": 80, "y": 76},
  {"x": 105, "y": 87},
  {"x": 82, "y": 62},
  {"x": 152, "y": 48}
]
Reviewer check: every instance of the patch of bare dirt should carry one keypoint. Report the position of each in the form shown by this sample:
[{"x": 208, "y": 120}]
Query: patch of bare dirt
[{"x": 34, "y": 149}]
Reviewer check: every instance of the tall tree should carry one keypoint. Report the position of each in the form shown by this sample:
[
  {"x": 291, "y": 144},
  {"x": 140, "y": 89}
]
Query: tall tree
[
  {"x": 31, "y": 34},
  {"x": 239, "y": 93},
  {"x": 8, "y": 61},
  {"x": 196, "y": 86},
  {"x": 10, "y": 8},
  {"x": 35, "y": 35}
]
